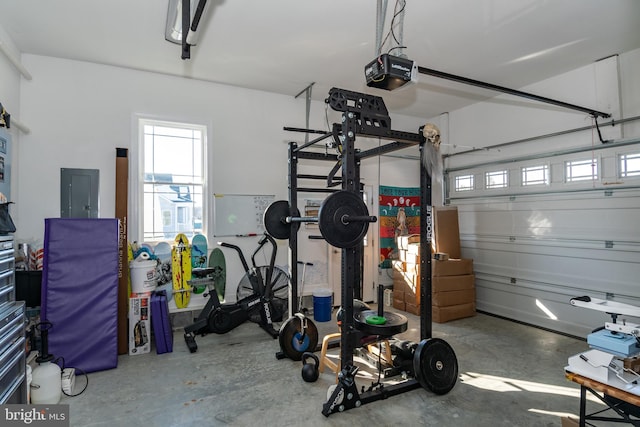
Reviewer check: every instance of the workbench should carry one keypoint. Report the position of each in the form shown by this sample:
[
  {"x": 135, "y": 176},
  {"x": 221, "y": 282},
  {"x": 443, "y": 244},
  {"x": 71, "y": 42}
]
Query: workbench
[{"x": 625, "y": 405}]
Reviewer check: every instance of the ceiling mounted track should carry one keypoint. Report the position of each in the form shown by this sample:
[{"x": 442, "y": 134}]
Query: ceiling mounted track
[
  {"x": 514, "y": 92},
  {"x": 465, "y": 80}
]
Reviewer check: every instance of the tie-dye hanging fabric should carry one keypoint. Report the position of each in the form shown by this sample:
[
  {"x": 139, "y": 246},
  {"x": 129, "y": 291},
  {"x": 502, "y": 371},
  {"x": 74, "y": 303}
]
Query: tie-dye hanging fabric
[{"x": 399, "y": 215}]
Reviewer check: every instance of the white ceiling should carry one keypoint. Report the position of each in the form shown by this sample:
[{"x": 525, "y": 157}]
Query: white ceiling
[{"x": 283, "y": 46}]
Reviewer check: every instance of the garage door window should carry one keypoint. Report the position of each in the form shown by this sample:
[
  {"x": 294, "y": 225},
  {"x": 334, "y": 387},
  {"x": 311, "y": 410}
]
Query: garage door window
[
  {"x": 497, "y": 179},
  {"x": 581, "y": 170},
  {"x": 535, "y": 175},
  {"x": 629, "y": 165},
  {"x": 464, "y": 183}
]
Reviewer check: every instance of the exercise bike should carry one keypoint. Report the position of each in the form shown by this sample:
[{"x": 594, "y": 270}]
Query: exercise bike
[{"x": 262, "y": 297}]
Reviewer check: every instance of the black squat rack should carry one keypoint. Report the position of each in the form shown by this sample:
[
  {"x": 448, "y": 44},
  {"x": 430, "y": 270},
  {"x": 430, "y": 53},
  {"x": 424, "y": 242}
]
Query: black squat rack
[{"x": 434, "y": 362}]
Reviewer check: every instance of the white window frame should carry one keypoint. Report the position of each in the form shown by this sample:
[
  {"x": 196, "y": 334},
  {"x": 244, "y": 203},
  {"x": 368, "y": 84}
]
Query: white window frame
[
  {"x": 574, "y": 170},
  {"x": 136, "y": 197},
  {"x": 460, "y": 179},
  {"x": 504, "y": 174},
  {"x": 524, "y": 170},
  {"x": 623, "y": 163}
]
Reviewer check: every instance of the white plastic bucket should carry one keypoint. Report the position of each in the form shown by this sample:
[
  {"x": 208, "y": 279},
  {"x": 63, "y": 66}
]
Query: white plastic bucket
[{"x": 143, "y": 276}]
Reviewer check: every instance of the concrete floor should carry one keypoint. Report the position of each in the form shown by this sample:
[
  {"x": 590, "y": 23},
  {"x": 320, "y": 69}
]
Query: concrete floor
[{"x": 509, "y": 375}]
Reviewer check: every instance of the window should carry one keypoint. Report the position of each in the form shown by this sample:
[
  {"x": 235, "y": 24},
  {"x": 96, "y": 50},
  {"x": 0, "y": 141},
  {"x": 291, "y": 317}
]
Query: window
[
  {"x": 173, "y": 179},
  {"x": 497, "y": 179},
  {"x": 535, "y": 175},
  {"x": 629, "y": 165},
  {"x": 464, "y": 183},
  {"x": 581, "y": 170}
]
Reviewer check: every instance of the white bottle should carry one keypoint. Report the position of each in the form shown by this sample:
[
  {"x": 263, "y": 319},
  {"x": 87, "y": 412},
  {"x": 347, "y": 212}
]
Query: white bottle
[{"x": 46, "y": 384}]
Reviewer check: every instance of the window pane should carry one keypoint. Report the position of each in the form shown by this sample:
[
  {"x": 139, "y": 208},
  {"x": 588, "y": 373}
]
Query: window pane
[
  {"x": 464, "y": 183},
  {"x": 630, "y": 165},
  {"x": 581, "y": 170},
  {"x": 535, "y": 175},
  {"x": 498, "y": 179},
  {"x": 173, "y": 180},
  {"x": 172, "y": 156}
]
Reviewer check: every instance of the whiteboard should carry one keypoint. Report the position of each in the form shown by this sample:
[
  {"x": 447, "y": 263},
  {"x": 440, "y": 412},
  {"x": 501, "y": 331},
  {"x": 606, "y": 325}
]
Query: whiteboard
[{"x": 239, "y": 214}]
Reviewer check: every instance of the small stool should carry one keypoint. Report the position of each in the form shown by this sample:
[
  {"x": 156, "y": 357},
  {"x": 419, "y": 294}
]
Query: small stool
[
  {"x": 383, "y": 354},
  {"x": 324, "y": 360}
]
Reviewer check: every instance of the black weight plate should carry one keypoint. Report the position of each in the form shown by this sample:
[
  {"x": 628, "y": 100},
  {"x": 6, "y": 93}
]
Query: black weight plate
[
  {"x": 395, "y": 324},
  {"x": 435, "y": 365},
  {"x": 292, "y": 342},
  {"x": 275, "y": 219},
  {"x": 330, "y": 215}
]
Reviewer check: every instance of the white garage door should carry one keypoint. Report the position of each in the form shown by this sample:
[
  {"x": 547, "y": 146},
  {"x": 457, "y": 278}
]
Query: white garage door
[{"x": 544, "y": 228}]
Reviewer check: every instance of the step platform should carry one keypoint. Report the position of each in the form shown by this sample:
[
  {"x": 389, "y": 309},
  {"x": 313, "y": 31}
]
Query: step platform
[{"x": 161, "y": 323}]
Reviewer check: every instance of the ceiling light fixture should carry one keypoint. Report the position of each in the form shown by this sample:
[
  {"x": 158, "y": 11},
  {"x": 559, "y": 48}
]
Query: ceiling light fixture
[{"x": 184, "y": 14}]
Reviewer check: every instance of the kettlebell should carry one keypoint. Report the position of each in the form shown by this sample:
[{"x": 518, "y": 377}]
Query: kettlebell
[{"x": 310, "y": 371}]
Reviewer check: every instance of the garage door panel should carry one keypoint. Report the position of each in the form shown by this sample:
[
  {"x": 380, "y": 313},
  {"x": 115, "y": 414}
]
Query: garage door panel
[{"x": 534, "y": 247}]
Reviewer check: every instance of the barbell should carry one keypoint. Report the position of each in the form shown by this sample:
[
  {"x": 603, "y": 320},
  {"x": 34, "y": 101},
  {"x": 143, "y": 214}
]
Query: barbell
[{"x": 343, "y": 219}]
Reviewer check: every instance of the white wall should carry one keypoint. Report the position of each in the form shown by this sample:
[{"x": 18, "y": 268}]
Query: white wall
[
  {"x": 80, "y": 112},
  {"x": 10, "y": 79}
]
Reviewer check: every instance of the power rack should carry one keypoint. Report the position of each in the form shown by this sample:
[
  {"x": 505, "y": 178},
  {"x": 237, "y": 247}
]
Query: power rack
[{"x": 366, "y": 115}]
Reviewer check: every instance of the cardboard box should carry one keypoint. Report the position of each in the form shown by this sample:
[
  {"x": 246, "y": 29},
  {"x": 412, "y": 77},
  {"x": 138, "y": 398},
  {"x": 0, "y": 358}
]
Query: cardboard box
[
  {"x": 632, "y": 363},
  {"x": 403, "y": 241},
  {"x": 412, "y": 268},
  {"x": 452, "y": 267},
  {"x": 399, "y": 295},
  {"x": 412, "y": 308},
  {"x": 406, "y": 282},
  {"x": 440, "y": 256},
  {"x": 398, "y": 304},
  {"x": 452, "y": 283},
  {"x": 411, "y": 259},
  {"x": 446, "y": 230},
  {"x": 447, "y": 298},
  {"x": 400, "y": 286},
  {"x": 413, "y": 248},
  {"x": 139, "y": 324},
  {"x": 401, "y": 267},
  {"x": 453, "y": 312},
  {"x": 411, "y": 298},
  {"x": 398, "y": 266},
  {"x": 408, "y": 257}
]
